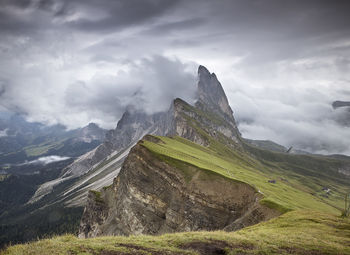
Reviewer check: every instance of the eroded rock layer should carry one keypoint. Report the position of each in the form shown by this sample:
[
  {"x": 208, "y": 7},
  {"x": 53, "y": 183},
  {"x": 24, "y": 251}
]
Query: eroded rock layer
[{"x": 154, "y": 194}]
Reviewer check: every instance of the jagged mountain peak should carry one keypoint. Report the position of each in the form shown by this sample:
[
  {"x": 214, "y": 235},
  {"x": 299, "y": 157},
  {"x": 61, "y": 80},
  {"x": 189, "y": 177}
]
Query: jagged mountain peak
[
  {"x": 211, "y": 94},
  {"x": 203, "y": 70}
]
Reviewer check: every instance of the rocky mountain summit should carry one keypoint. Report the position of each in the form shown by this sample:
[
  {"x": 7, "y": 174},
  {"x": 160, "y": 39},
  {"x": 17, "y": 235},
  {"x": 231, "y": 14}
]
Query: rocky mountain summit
[
  {"x": 150, "y": 196},
  {"x": 181, "y": 119},
  {"x": 211, "y": 94}
]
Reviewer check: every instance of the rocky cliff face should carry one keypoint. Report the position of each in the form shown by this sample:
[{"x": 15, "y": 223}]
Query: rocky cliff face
[
  {"x": 151, "y": 196},
  {"x": 211, "y": 94}
]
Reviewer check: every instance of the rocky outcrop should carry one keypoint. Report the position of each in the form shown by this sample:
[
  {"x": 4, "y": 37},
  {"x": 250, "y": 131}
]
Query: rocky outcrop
[
  {"x": 153, "y": 196},
  {"x": 199, "y": 124}
]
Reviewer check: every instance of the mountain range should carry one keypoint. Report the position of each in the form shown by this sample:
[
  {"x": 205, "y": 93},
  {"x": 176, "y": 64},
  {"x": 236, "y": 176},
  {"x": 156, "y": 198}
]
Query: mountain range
[{"x": 186, "y": 169}]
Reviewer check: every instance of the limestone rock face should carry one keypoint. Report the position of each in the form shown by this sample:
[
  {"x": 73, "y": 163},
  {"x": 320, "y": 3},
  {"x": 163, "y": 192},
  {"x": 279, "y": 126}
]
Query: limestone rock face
[
  {"x": 152, "y": 197},
  {"x": 211, "y": 94}
]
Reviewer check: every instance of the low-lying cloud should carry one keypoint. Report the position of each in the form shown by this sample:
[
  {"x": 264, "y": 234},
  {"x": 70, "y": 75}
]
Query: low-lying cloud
[
  {"x": 45, "y": 160},
  {"x": 296, "y": 113},
  {"x": 148, "y": 84}
]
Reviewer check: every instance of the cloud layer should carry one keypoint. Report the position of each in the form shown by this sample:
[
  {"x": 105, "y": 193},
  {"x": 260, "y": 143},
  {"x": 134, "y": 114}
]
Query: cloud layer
[
  {"x": 45, "y": 160},
  {"x": 281, "y": 63}
]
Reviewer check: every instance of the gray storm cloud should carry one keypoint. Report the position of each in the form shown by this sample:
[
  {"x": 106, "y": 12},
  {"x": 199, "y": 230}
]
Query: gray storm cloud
[
  {"x": 148, "y": 84},
  {"x": 282, "y": 63}
]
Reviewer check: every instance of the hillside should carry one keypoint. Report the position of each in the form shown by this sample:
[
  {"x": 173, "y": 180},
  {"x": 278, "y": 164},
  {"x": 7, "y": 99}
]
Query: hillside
[
  {"x": 297, "y": 232},
  {"x": 299, "y": 187}
]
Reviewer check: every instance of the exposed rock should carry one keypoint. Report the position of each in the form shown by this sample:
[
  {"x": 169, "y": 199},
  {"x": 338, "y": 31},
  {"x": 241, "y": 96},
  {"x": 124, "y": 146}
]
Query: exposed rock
[
  {"x": 211, "y": 93},
  {"x": 189, "y": 120},
  {"x": 150, "y": 196},
  {"x": 98, "y": 212}
]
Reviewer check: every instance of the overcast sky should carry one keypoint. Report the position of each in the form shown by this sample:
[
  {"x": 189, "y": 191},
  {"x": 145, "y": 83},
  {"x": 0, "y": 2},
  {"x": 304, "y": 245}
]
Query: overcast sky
[{"x": 280, "y": 62}]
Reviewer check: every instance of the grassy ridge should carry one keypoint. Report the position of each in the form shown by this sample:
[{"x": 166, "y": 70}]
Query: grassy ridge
[
  {"x": 297, "y": 232},
  {"x": 288, "y": 193}
]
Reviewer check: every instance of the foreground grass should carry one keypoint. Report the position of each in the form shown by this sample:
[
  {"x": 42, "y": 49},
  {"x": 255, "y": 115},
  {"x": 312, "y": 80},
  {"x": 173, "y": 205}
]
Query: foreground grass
[{"x": 297, "y": 232}]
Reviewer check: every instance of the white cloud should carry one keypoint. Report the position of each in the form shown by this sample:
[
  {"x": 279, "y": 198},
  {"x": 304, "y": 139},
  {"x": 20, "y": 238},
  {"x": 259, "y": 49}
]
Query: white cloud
[
  {"x": 46, "y": 160},
  {"x": 3, "y": 133}
]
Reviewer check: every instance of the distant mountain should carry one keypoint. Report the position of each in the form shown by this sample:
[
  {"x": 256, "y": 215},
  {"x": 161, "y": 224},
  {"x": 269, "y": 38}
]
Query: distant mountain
[
  {"x": 30, "y": 155},
  {"x": 22, "y": 141},
  {"x": 337, "y": 104},
  {"x": 272, "y": 146}
]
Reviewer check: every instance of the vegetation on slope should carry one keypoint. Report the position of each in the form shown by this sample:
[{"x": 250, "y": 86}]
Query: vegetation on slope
[
  {"x": 297, "y": 232},
  {"x": 289, "y": 192}
]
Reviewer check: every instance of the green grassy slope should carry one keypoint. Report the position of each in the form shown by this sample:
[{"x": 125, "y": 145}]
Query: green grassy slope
[
  {"x": 290, "y": 191},
  {"x": 297, "y": 232}
]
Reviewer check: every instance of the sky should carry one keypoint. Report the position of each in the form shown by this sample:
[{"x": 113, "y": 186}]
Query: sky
[{"x": 281, "y": 62}]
